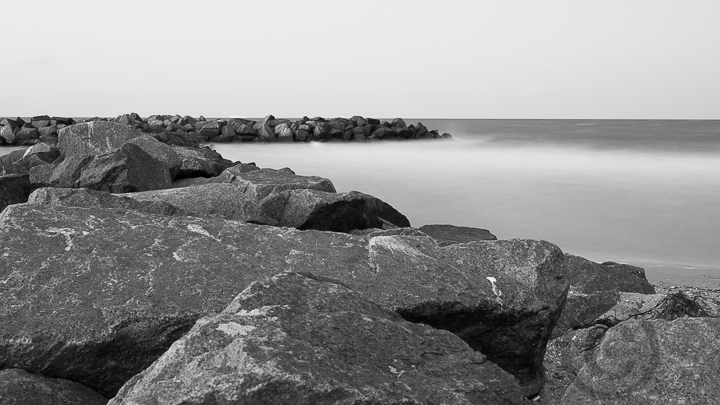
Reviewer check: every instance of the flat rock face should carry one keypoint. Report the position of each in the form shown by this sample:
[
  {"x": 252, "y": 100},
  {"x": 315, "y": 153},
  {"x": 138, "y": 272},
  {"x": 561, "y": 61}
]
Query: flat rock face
[
  {"x": 595, "y": 288},
  {"x": 94, "y": 138},
  {"x": 300, "y": 339},
  {"x": 652, "y": 362},
  {"x": 260, "y": 183},
  {"x": 451, "y": 234},
  {"x": 161, "y": 152},
  {"x": 18, "y": 387},
  {"x": 110, "y": 290},
  {"x": 214, "y": 199}
]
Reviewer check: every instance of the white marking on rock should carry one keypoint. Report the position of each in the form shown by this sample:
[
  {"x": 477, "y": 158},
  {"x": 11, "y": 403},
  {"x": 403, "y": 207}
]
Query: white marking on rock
[
  {"x": 496, "y": 290},
  {"x": 233, "y": 329},
  {"x": 200, "y": 230},
  {"x": 395, "y": 244},
  {"x": 67, "y": 233}
]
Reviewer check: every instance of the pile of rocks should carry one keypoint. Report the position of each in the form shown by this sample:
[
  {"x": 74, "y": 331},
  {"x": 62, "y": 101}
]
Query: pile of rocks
[
  {"x": 136, "y": 271},
  {"x": 186, "y": 130}
]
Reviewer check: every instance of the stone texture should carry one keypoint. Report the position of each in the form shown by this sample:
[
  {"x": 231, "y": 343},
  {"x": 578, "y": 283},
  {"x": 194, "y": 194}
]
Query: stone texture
[
  {"x": 18, "y": 387},
  {"x": 111, "y": 289},
  {"x": 451, "y": 234},
  {"x": 651, "y": 362},
  {"x": 595, "y": 288},
  {"x": 261, "y": 182},
  {"x": 14, "y": 189},
  {"x": 218, "y": 200},
  {"x": 86, "y": 198},
  {"x": 94, "y": 137},
  {"x": 161, "y": 152},
  {"x": 200, "y": 162},
  {"x": 125, "y": 170},
  {"x": 300, "y": 339},
  {"x": 313, "y": 209}
]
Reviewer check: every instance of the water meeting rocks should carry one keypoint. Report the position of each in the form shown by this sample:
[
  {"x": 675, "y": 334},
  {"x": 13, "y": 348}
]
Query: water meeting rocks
[
  {"x": 302, "y": 339},
  {"x": 18, "y": 387},
  {"x": 111, "y": 289}
]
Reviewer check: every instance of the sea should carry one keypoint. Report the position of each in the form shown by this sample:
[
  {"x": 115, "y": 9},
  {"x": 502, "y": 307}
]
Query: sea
[{"x": 642, "y": 192}]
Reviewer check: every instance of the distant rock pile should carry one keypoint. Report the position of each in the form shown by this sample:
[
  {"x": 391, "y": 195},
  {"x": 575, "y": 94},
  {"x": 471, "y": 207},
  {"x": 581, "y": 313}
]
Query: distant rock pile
[{"x": 187, "y": 130}]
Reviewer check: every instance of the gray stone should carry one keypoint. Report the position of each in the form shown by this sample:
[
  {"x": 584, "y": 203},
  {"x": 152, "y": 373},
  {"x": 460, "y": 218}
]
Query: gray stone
[
  {"x": 18, "y": 387},
  {"x": 124, "y": 285},
  {"x": 94, "y": 137},
  {"x": 86, "y": 198},
  {"x": 200, "y": 162},
  {"x": 206, "y": 200},
  {"x": 260, "y": 183},
  {"x": 265, "y": 131},
  {"x": 644, "y": 362},
  {"x": 7, "y": 133},
  {"x": 14, "y": 189},
  {"x": 451, "y": 234},
  {"x": 595, "y": 288},
  {"x": 301, "y": 339},
  {"x": 283, "y": 133},
  {"x": 161, "y": 152}
]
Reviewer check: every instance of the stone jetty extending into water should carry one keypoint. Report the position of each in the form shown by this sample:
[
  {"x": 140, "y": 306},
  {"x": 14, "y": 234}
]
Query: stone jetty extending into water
[
  {"x": 191, "y": 131},
  {"x": 139, "y": 268}
]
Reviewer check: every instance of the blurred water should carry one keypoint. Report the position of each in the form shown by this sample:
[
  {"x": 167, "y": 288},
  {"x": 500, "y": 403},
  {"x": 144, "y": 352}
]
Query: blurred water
[{"x": 640, "y": 192}]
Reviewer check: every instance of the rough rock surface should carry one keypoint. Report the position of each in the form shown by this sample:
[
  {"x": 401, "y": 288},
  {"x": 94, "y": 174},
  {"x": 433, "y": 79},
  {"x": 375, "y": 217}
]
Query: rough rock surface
[
  {"x": 595, "y": 288},
  {"x": 644, "y": 362},
  {"x": 86, "y": 198},
  {"x": 200, "y": 162},
  {"x": 129, "y": 168},
  {"x": 452, "y": 234},
  {"x": 160, "y": 151},
  {"x": 300, "y": 339},
  {"x": 18, "y": 387},
  {"x": 124, "y": 285},
  {"x": 313, "y": 209},
  {"x": 215, "y": 199},
  {"x": 14, "y": 189},
  {"x": 94, "y": 138},
  {"x": 258, "y": 184}
]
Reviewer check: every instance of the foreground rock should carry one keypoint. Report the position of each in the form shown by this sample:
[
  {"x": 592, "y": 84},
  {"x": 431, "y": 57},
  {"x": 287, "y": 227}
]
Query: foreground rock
[
  {"x": 124, "y": 285},
  {"x": 18, "y": 387},
  {"x": 451, "y": 234},
  {"x": 14, "y": 189},
  {"x": 94, "y": 138},
  {"x": 650, "y": 362},
  {"x": 300, "y": 339},
  {"x": 595, "y": 288}
]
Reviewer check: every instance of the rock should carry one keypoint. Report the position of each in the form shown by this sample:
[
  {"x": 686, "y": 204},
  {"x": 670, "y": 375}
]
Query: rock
[
  {"x": 283, "y": 133},
  {"x": 40, "y": 121},
  {"x": 8, "y": 163},
  {"x": 245, "y": 129},
  {"x": 398, "y": 123},
  {"x": 86, "y": 198},
  {"x": 264, "y": 131},
  {"x": 651, "y": 362},
  {"x": 22, "y": 161},
  {"x": 161, "y": 152},
  {"x": 124, "y": 285},
  {"x": 40, "y": 175},
  {"x": 94, "y": 138},
  {"x": 321, "y": 131},
  {"x": 18, "y": 387},
  {"x": 200, "y": 162},
  {"x": 302, "y": 135},
  {"x": 451, "y": 234},
  {"x": 206, "y": 200},
  {"x": 326, "y": 211},
  {"x": 595, "y": 288},
  {"x": 210, "y": 129},
  {"x": 302, "y": 339},
  {"x": 14, "y": 189},
  {"x": 7, "y": 133},
  {"x": 258, "y": 184}
]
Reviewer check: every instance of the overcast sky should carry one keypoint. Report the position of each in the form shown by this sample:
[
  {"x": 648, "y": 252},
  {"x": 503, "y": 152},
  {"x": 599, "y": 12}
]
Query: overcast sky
[{"x": 414, "y": 59}]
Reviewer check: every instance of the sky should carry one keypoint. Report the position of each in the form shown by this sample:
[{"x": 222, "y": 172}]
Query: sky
[{"x": 627, "y": 59}]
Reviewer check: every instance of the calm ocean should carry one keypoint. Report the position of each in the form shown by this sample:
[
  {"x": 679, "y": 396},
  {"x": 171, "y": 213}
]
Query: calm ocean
[{"x": 643, "y": 192}]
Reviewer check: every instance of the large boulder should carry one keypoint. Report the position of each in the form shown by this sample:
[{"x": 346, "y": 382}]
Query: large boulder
[
  {"x": 300, "y": 339},
  {"x": 260, "y": 183},
  {"x": 451, "y": 234},
  {"x": 651, "y": 362},
  {"x": 595, "y": 288},
  {"x": 86, "y": 198},
  {"x": 200, "y": 162},
  {"x": 14, "y": 189},
  {"x": 325, "y": 211},
  {"x": 161, "y": 152},
  {"x": 18, "y": 387},
  {"x": 22, "y": 161},
  {"x": 127, "y": 169},
  {"x": 110, "y": 290},
  {"x": 94, "y": 137}
]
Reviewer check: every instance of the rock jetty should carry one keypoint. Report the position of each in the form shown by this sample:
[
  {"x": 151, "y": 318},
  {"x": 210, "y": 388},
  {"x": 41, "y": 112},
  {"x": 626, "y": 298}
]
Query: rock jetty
[
  {"x": 141, "y": 268},
  {"x": 186, "y": 130}
]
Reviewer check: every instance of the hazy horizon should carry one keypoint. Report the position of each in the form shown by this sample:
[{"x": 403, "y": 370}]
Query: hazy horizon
[{"x": 456, "y": 60}]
